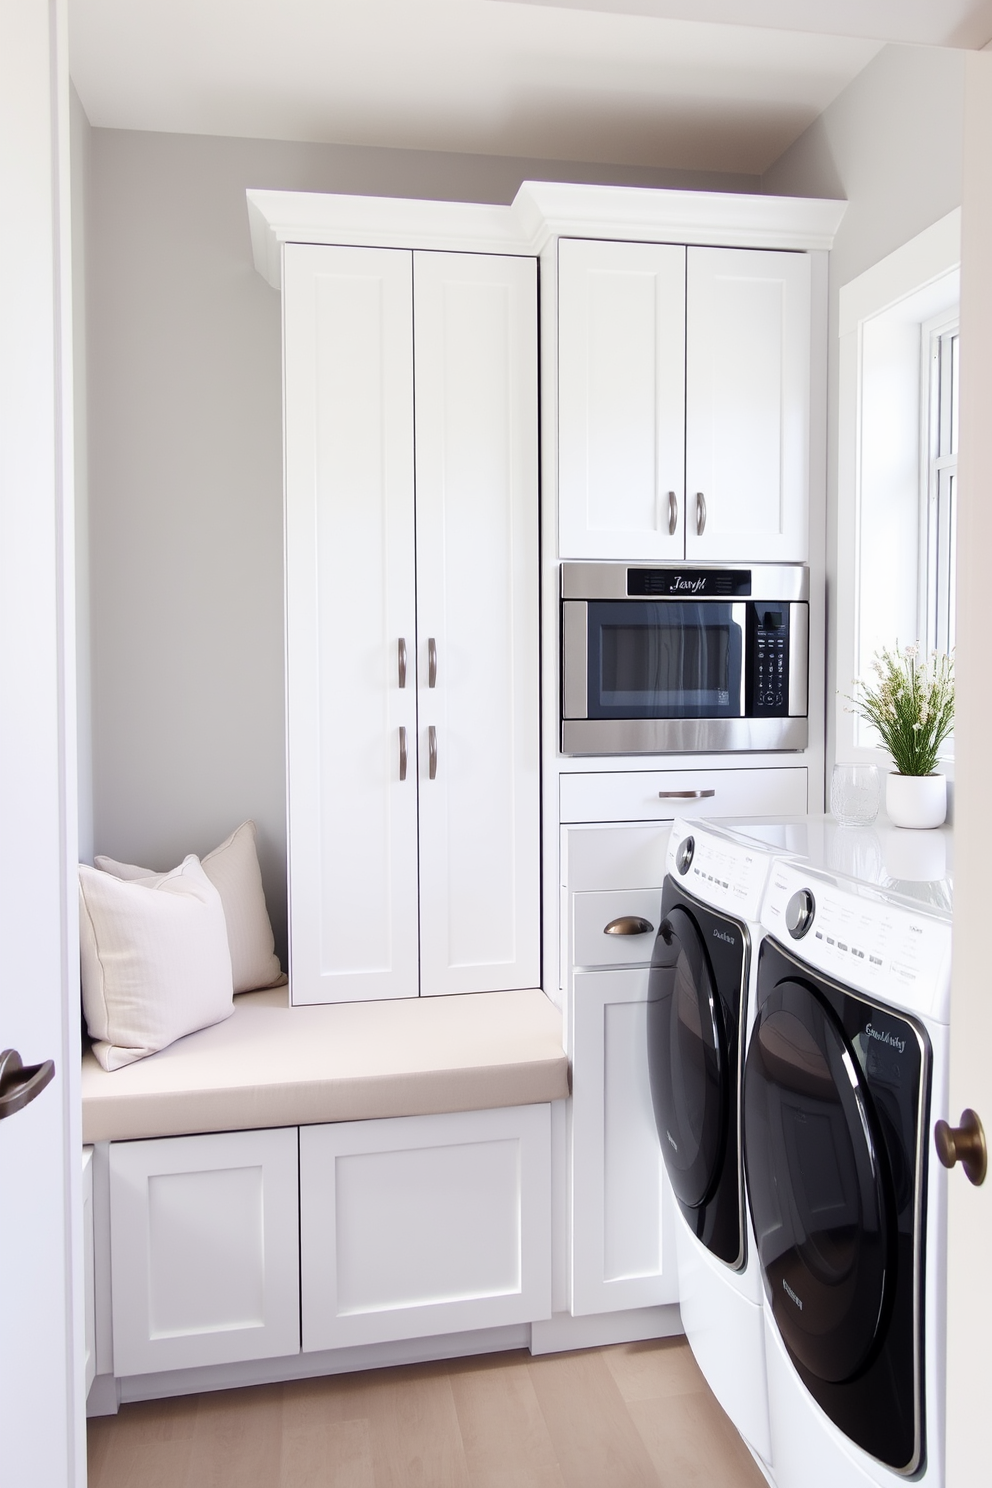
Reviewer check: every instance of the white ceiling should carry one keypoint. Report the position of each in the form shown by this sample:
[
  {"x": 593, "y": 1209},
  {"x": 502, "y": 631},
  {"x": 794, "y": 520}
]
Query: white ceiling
[{"x": 631, "y": 82}]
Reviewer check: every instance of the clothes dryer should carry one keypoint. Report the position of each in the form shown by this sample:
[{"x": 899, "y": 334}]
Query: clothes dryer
[
  {"x": 846, "y": 1068},
  {"x": 698, "y": 1014}
]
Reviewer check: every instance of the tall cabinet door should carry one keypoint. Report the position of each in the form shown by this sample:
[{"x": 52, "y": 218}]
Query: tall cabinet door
[
  {"x": 747, "y": 405},
  {"x": 477, "y": 599},
  {"x": 351, "y": 610},
  {"x": 621, "y": 399}
]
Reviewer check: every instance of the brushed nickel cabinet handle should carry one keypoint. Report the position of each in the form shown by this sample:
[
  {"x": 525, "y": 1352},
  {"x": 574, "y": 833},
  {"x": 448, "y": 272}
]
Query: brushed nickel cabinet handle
[
  {"x": 700, "y": 513},
  {"x": 20, "y": 1085},
  {"x": 698, "y": 795},
  {"x": 401, "y": 661},
  {"x": 402, "y": 752},
  {"x": 673, "y": 513},
  {"x": 431, "y": 662},
  {"x": 432, "y": 752},
  {"x": 629, "y": 925}
]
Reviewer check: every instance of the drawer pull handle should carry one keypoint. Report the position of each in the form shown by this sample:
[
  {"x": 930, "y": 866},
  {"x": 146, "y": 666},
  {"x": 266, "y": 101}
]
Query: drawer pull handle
[
  {"x": 629, "y": 925},
  {"x": 700, "y": 795}
]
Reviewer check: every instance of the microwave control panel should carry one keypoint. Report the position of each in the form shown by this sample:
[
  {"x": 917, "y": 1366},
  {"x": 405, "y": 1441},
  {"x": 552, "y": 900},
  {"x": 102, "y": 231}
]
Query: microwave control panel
[{"x": 769, "y": 625}]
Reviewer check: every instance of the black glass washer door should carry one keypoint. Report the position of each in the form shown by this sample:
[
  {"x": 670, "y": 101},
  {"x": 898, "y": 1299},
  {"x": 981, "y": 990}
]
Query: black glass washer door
[
  {"x": 687, "y": 1057},
  {"x": 817, "y": 1185}
]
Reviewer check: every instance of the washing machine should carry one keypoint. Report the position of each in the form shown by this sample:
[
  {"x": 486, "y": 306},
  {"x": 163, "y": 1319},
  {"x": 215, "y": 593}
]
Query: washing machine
[
  {"x": 846, "y": 1068},
  {"x": 698, "y": 1014}
]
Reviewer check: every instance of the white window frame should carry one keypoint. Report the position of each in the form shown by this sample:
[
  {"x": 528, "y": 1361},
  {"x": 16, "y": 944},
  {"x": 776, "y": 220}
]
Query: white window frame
[
  {"x": 888, "y": 305},
  {"x": 938, "y": 465}
]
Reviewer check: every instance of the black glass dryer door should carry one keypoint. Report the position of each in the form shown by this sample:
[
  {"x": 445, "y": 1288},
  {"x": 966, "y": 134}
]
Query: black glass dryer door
[
  {"x": 817, "y": 1185},
  {"x": 688, "y": 1061}
]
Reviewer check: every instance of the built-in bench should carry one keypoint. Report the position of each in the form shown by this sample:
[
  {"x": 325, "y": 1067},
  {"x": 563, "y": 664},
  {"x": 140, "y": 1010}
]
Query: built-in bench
[
  {"x": 298, "y": 1180},
  {"x": 275, "y": 1065}
]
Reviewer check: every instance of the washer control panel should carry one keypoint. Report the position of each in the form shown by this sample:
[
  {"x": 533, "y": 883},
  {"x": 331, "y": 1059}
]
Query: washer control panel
[
  {"x": 718, "y": 869},
  {"x": 863, "y": 940}
]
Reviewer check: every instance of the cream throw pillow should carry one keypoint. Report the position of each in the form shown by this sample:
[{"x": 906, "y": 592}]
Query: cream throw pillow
[
  {"x": 154, "y": 959},
  {"x": 233, "y": 870}
]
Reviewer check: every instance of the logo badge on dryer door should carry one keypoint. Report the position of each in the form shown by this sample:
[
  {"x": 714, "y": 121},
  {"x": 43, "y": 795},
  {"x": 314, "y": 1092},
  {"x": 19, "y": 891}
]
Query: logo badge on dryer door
[
  {"x": 885, "y": 1037},
  {"x": 797, "y": 1299},
  {"x": 719, "y": 934}
]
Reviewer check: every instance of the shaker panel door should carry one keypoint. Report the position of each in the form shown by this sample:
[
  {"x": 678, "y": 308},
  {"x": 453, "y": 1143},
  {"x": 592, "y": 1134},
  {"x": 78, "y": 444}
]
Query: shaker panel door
[
  {"x": 478, "y": 633},
  {"x": 621, "y": 399},
  {"x": 350, "y": 585}
]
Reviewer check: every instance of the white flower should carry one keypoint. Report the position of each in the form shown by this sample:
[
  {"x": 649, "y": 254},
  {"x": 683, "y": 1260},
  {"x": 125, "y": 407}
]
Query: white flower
[{"x": 910, "y": 651}]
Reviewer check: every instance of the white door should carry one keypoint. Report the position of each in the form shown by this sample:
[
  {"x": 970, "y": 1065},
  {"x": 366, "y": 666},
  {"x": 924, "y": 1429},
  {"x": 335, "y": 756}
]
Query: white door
[
  {"x": 623, "y": 1220},
  {"x": 41, "y": 1318},
  {"x": 747, "y": 405},
  {"x": 477, "y": 621},
  {"x": 970, "y": 1209},
  {"x": 621, "y": 399},
  {"x": 350, "y": 621}
]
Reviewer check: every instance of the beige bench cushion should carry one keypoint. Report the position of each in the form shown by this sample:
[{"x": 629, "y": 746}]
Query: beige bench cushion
[{"x": 273, "y": 1065}]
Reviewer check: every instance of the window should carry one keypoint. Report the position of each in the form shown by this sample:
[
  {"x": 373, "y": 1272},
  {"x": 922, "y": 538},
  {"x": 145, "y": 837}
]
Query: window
[
  {"x": 897, "y": 467},
  {"x": 939, "y": 482}
]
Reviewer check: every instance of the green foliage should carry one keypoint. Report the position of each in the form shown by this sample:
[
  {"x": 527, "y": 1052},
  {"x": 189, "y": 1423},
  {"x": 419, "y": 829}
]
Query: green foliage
[{"x": 911, "y": 705}]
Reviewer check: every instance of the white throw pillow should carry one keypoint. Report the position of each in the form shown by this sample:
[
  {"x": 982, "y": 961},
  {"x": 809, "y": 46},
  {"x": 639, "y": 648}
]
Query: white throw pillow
[
  {"x": 154, "y": 960},
  {"x": 233, "y": 870}
]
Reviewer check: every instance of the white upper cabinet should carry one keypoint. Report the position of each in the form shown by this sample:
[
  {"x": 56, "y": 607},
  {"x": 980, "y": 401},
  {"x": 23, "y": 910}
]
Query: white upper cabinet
[
  {"x": 621, "y": 399},
  {"x": 412, "y": 619},
  {"x": 350, "y": 610},
  {"x": 475, "y": 359},
  {"x": 747, "y": 405},
  {"x": 683, "y": 412}
]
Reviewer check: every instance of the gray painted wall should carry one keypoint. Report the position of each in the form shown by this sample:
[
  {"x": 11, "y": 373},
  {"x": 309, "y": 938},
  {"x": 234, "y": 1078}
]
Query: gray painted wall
[
  {"x": 891, "y": 145},
  {"x": 185, "y": 471}
]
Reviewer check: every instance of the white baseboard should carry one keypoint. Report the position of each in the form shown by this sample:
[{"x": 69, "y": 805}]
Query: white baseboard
[
  {"x": 329, "y": 1361},
  {"x": 563, "y": 1332},
  {"x": 104, "y": 1396}
]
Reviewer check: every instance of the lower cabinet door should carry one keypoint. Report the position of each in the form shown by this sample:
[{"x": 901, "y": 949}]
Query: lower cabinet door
[
  {"x": 424, "y": 1224},
  {"x": 622, "y": 1212},
  {"x": 205, "y": 1249}
]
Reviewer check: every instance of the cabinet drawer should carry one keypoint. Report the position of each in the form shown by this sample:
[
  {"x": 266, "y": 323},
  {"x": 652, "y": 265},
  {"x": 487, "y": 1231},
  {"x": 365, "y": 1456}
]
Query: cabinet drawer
[
  {"x": 592, "y": 912},
  {"x": 659, "y": 795}
]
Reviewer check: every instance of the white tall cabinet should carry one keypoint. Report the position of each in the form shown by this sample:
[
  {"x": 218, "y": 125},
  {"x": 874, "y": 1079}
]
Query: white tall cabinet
[
  {"x": 683, "y": 402},
  {"x": 412, "y": 621}
]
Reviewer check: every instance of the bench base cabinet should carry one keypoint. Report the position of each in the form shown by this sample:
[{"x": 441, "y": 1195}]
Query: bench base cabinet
[
  {"x": 400, "y": 1228},
  {"x": 425, "y": 1224},
  {"x": 204, "y": 1249}
]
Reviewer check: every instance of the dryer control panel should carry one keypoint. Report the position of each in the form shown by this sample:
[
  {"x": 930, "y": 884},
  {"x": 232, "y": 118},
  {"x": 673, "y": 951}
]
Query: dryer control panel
[
  {"x": 861, "y": 938},
  {"x": 729, "y": 874}
]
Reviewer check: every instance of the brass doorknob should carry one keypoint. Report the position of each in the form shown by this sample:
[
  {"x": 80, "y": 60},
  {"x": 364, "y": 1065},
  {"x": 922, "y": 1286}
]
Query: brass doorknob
[{"x": 964, "y": 1144}]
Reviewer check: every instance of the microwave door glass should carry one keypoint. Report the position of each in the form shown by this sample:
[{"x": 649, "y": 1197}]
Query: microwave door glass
[{"x": 664, "y": 660}]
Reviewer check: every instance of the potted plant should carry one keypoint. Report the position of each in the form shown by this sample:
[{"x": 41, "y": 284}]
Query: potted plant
[{"x": 912, "y": 707}]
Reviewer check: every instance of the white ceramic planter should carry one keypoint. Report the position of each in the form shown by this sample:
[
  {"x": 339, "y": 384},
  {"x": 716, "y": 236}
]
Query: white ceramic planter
[{"x": 916, "y": 800}]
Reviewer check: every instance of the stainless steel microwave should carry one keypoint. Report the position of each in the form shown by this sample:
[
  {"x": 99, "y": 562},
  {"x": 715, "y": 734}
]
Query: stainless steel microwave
[{"x": 659, "y": 660}]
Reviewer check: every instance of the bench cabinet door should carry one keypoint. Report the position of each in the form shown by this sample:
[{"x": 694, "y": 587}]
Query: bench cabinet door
[
  {"x": 424, "y": 1224},
  {"x": 205, "y": 1259}
]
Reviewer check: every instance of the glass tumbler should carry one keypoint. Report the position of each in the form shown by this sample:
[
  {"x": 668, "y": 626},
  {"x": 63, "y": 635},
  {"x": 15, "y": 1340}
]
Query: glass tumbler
[{"x": 855, "y": 792}]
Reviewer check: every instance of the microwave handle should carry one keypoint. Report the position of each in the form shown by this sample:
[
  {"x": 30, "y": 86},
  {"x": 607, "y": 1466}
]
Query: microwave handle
[
  {"x": 738, "y": 615},
  {"x": 575, "y": 658},
  {"x": 798, "y": 659}
]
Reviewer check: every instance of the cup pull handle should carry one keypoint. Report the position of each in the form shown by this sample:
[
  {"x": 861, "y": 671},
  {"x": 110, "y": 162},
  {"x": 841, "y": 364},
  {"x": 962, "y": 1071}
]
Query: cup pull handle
[{"x": 629, "y": 925}]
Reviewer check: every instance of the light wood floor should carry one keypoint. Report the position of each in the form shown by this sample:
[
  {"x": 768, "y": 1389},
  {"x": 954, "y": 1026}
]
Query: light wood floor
[{"x": 638, "y": 1415}]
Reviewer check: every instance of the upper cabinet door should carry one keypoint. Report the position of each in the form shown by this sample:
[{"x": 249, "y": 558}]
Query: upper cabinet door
[
  {"x": 747, "y": 405},
  {"x": 621, "y": 399},
  {"x": 477, "y": 600},
  {"x": 350, "y": 585}
]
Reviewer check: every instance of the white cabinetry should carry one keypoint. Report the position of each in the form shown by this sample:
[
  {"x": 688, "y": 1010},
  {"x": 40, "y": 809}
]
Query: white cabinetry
[
  {"x": 684, "y": 402},
  {"x": 204, "y": 1249},
  {"x": 621, "y": 1213},
  {"x": 412, "y": 595},
  {"x": 424, "y": 1224}
]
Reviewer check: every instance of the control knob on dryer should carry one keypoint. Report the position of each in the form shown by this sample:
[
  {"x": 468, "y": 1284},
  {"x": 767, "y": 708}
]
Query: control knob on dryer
[
  {"x": 684, "y": 853},
  {"x": 799, "y": 913}
]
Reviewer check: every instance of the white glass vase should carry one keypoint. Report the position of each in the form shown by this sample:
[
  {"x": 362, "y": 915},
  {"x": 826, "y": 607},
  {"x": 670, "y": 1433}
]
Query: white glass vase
[{"x": 916, "y": 800}]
